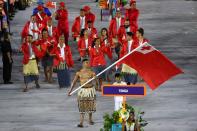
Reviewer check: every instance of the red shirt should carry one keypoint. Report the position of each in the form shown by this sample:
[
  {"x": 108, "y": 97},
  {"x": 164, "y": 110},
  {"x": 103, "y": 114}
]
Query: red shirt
[
  {"x": 41, "y": 19},
  {"x": 76, "y": 27},
  {"x": 132, "y": 15},
  {"x": 82, "y": 46},
  {"x": 90, "y": 17},
  {"x": 26, "y": 52},
  {"x": 122, "y": 33},
  {"x": 62, "y": 17},
  {"x": 47, "y": 45},
  {"x": 125, "y": 47},
  {"x": 107, "y": 45},
  {"x": 97, "y": 57},
  {"x": 142, "y": 42},
  {"x": 67, "y": 56},
  {"x": 55, "y": 32},
  {"x": 92, "y": 33},
  {"x": 113, "y": 30}
]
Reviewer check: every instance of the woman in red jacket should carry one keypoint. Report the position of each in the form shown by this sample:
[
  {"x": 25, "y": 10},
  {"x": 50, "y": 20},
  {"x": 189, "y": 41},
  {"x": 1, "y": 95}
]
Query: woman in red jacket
[
  {"x": 63, "y": 61},
  {"x": 97, "y": 59},
  {"x": 30, "y": 67},
  {"x": 107, "y": 45},
  {"x": 84, "y": 44}
]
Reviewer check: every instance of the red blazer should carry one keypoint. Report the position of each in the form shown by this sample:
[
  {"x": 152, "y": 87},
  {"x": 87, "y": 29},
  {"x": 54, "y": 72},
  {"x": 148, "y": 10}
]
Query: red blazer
[
  {"x": 122, "y": 33},
  {"x": 62, "y": 17},
  {"x": 113, "y": 27},
  {"x": 82, "y": 46},
  {"x": 144, "y": 40},
  {"x": 90, "y": 17},
  {"x": 124, "y": 49},
  {"x": 25, "y": 30},
  {"x": 76, "y": 29},
  {"x": 26, "y": 53},
  {"x": 55, "y": 32},
  {"x": 47, "y": 45},
  {"x": 42, "y": 22},
  {"x": 93, "y": 33},
  {"x": 132, "y": 15},
  {"x": 107, "y": 48},
  {"x": 67, "y": 56},
  {"x": 97, "y": 58}
]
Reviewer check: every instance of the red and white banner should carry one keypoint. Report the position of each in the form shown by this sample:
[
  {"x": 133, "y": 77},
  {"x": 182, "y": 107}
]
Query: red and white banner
[{"x": 151, "y": 65}]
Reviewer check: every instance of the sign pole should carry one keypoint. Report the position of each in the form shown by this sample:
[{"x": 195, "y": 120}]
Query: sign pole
[
  {"x": 137, "y": 90},
  {"x": 124, "y": 107}
]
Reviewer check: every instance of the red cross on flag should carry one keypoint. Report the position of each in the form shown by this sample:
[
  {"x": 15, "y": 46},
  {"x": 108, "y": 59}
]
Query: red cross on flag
[{"x": 151, "y": 65}]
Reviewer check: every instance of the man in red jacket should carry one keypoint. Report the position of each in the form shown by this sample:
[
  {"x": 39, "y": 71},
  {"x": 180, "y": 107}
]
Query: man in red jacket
[
  {"x": 63, "y": 24},
  {"x": 30, "y": 67},
  {"x": 115, "y": 24},
  {"x": 140, "y": 36},
  {"x": 130, "y": 75},
  {"x": 123, "y": 31},
  {"x": 92, "y": 31},
  {"x": 32, "y": 28},
  {"x": 89, "y": 15},
  {"x": 132, "y": 14},
  {"x": 79, "y": 24},
  {"x": 41, "y": 16},
  {"x": 47, "y": 45},
  {"x": 52, "y": 30}
]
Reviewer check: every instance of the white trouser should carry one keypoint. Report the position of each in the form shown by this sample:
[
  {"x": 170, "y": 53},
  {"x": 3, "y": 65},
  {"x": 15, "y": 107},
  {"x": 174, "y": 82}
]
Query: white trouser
[{"x": 118, "y": 100}]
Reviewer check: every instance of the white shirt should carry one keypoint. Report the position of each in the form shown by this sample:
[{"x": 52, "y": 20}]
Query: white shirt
[
  {"x": 82, "y": 22},
  {"x": 118, "y": 21},
  {"x": 86, "y": 43},
  {"x": 50, "y": 30},
  {"x": 118, "y": 99},
  {"x": 130, "y": 45},
  {"x": 128, "y": 29},
  {"x": 106, "y": 41},
  {"x": 89, "y": 31},
  {"x": 141, "y": 42},
  {"x": 31, "y": 53},
  {"x": 62, "y": 53},
  {"x": 33, "y": 26}
]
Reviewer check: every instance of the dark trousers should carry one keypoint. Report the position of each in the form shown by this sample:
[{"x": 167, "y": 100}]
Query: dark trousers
[{"x": 7, "y": 70}]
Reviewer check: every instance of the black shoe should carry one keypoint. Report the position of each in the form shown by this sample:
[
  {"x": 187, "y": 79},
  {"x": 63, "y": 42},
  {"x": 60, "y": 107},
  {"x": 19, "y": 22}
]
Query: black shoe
[
  {"x": 37, "y": 86},
  {"x": 25, "y": 90},
  {"x": 8, "y": 82},
  {"x": 80, "y": 125}
]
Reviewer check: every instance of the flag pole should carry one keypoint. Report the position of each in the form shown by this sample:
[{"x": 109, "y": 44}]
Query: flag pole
[{"x": 107, "y": 68}]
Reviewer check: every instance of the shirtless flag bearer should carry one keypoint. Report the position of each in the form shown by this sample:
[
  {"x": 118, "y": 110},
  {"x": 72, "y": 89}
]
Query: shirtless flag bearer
[{"x": 86, "y": 94}]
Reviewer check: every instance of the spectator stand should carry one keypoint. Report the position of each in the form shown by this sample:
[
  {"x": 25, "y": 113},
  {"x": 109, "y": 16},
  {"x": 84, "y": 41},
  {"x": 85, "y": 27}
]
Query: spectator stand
[{"x": 109, "y": 7}]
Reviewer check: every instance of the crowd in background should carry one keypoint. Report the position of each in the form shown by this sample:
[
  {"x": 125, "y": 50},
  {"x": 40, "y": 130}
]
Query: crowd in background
[{"x": 46, "y": 43}]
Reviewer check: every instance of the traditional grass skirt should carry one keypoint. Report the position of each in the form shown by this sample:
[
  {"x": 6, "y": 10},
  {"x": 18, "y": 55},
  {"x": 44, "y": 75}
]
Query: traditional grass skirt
[
  {"x": 87, "y": 100},
  {"x": 30, "y": 71},
  {"x": 63, "y": 75}
]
